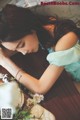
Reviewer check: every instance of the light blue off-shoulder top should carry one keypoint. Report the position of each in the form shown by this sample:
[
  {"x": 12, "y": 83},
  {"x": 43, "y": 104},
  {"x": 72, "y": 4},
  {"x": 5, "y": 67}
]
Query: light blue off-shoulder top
[{"x": 69, "y": 58}]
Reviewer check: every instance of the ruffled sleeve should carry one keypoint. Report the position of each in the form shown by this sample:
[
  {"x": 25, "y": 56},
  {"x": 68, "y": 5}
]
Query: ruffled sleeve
[{"x": 66, "y": 57}]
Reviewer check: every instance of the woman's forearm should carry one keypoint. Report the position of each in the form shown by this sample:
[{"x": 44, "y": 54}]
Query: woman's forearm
[
  {"x": 42, "y": 85},
  {"x": 27, "y": 80}
]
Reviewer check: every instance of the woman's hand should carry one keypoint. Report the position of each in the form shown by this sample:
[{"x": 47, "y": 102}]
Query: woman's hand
[{"x": 2, "y": 56}]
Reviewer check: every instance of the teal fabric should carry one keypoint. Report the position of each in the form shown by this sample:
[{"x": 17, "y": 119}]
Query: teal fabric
[{"x": 69, "y": 58}]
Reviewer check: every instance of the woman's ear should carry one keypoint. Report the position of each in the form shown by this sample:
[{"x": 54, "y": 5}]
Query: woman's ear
[
  {"x": 49, "y": 27},
  {"x": 52, "y": 18}
]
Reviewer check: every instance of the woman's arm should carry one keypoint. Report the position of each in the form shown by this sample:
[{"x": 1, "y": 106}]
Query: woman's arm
[
  {"x": 38, "y": 86},
  {"x": 49, "y": 76}
]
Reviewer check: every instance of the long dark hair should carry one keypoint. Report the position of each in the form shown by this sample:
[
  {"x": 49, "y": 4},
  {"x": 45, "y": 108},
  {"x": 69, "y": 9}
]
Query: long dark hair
[
  {"x": 63, "y": 27},
  {"x": 16, "y": 22}
]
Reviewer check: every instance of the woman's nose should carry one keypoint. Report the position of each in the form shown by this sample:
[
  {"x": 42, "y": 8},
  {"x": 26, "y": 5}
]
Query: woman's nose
[{"x": 22, "y": 51}]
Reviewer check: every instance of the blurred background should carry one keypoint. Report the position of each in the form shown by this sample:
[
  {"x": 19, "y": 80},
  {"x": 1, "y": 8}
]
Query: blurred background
[{"x": 64, "y": 11}]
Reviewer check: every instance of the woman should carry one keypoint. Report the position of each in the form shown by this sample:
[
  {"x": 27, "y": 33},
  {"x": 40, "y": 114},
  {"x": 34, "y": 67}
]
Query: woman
[{"x": 22, "y": 31}]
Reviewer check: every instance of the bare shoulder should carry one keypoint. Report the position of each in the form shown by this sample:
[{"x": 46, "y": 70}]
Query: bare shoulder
[{"x": 66, "y": 42}]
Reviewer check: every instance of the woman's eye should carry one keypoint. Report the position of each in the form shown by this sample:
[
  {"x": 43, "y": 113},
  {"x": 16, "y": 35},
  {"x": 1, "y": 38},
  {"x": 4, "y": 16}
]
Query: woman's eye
[{"x": 21, "y": 45}]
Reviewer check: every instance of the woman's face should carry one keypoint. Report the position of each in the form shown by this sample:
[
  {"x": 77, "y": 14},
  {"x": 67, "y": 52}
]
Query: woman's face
[{"x": 27, "y": 44}]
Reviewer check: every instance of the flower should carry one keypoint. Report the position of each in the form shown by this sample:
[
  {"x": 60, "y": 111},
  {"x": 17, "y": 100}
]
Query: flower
[
  {"x": 38, "y": 98},
  {"x": 30, "y": 103},
  {"x": 4, "y": 77}
]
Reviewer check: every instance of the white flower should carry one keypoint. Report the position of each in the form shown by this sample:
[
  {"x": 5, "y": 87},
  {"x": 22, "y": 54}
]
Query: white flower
[
  {"x": 4, "y": 77},
  {"x": 38, "y": 98},
  {"x": 30, "y": 103},
  {"x": 33, "y": 101}
]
